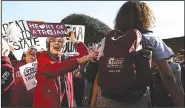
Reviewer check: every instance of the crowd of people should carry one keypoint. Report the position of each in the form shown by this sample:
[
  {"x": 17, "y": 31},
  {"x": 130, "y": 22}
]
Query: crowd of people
[{"x": 55, "y": 89}]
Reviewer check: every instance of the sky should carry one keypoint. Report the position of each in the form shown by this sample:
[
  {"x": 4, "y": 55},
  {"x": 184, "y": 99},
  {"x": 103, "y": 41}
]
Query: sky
[{"x": 169, "y": 14}]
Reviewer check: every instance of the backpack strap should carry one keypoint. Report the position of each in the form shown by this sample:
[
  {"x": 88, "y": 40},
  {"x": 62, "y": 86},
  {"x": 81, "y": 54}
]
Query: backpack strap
[{"x": 144, "y": 40}]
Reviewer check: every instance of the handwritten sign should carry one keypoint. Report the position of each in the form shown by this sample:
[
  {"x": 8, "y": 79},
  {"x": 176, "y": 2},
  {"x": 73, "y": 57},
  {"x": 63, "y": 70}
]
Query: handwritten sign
[
  {"x": 26, "y": 40},
  {"x": 79, "y": 31},
  {"x": 28, "y": 72},
  {"x": 43, "y": 29}
]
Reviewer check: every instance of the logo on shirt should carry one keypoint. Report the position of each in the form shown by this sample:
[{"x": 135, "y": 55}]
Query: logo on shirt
[
  {"x": 4, "y": 77},
  {"x": 113, "y": 38}
]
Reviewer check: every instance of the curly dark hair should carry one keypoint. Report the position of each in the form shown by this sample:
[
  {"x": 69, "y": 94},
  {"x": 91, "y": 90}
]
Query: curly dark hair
[
  {"x": 95, "y": 30},
  {"x": 134, "y": 15}
]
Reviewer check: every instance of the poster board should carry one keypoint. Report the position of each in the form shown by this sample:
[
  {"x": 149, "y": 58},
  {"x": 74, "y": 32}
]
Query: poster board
[
  {"x": 26, "y": 40},
  {"x": 28, "y": 72}
]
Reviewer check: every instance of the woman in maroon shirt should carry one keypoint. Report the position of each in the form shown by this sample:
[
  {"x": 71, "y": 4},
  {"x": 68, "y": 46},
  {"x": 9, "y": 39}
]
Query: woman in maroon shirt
[{"x": 21, "y": 97}]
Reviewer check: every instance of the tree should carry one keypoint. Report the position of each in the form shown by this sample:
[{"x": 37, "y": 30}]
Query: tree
[{"x": 95, "y": 30}]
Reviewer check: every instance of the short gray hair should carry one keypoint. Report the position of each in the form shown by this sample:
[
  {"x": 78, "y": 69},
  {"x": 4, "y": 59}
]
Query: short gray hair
[{"x": 49, "y": 38}]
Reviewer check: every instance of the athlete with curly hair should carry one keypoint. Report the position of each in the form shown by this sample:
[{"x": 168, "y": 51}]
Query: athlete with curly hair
[{"x": 138, "y": 15}]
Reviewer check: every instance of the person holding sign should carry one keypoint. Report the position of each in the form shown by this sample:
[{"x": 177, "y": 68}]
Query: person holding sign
[
  {"x": 7, "y": 79},
  {"x": 21, "y": 97},
  {"x": 51, "y": 66}
]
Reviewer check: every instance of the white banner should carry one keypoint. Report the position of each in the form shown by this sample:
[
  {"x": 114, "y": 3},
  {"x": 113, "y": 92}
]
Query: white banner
[
  {"x": 79, "y": 30},
  {"x": 28, "y": 72},
  {"x": 27, "y": 40}
]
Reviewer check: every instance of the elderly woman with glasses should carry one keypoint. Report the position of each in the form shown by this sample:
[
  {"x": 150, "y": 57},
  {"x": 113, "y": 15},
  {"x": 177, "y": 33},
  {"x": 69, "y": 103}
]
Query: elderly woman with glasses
[{"x": 49, "y": 92}]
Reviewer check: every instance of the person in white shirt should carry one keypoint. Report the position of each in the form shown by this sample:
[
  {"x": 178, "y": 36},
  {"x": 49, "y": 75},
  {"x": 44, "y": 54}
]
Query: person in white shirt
[{"x": 176, "y": 69}]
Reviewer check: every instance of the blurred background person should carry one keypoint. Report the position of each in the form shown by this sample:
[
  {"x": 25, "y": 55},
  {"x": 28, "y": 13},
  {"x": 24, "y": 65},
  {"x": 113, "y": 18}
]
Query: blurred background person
[
  {"x": 78, "y": 80},
  {"x": 7, "y": 70},
  {"x": 21, "y": 97},
  {"x": 159, "y": 95},
  {"x": 95, "y": 31},
  {"x": 176, "y": 69},
  {"x": 180, "y": 58},
  {"x": 7, "y": 79}
]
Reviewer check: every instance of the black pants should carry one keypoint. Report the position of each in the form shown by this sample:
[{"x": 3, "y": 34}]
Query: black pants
[
  {"x": 79, "y": 91},
  {"x": 64, "y": 102},
  {"x": 6, "y": 99},
  {"x": 87, "y": 93}
]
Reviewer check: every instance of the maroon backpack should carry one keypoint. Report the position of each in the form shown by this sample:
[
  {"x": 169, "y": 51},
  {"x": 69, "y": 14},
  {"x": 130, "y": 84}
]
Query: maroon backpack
[{"x": 126, "y": 63}]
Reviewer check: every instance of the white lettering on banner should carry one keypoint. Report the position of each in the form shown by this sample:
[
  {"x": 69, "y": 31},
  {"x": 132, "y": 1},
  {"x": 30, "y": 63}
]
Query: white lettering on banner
[
  {"x": 49, "y": 32},
  {"x": 27, "y": 40},
  {"x": 28, "y": 72}
]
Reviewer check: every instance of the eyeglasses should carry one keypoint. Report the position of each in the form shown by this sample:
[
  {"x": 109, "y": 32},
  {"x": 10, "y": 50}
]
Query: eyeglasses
[
  {"x": 33, "y": 49},
  {"x": 58, "y": 41},
  {"x": 30, "y": 52}
]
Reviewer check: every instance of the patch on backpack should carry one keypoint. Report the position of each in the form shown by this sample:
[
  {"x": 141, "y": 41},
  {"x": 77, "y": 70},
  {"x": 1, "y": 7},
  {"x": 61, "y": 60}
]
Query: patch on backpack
[{"x": 115, "y": 63}]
